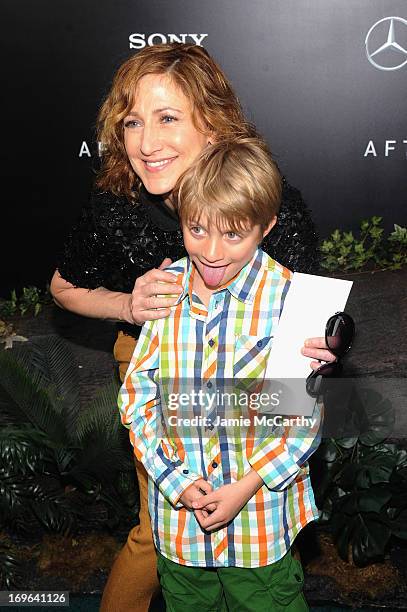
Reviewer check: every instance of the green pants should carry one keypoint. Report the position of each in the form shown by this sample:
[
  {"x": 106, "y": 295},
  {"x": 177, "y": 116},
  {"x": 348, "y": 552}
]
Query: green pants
[{"x": 273, "y": 588}]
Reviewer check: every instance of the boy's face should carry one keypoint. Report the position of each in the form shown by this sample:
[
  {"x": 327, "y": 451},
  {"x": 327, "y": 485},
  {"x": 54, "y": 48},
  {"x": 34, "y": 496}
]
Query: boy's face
[{"x": 220, "y": 253}]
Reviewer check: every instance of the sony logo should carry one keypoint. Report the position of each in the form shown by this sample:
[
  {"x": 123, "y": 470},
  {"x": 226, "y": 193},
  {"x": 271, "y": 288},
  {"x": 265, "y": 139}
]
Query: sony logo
[
  {"x": 139, "y": 41},
  {"x": 389, "y": 145}
]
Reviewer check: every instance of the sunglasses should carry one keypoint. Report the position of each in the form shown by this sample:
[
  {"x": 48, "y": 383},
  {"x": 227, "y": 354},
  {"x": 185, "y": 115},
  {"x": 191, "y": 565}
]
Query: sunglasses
[{"x": 339, "y": 335}]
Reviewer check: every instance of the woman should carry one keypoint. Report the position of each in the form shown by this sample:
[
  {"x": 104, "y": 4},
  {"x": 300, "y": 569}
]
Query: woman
[{"x": 166, "y": 104}]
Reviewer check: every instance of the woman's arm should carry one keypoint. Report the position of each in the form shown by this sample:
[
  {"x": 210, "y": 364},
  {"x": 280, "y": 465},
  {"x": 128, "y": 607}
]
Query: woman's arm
[
  {"x": 95, "y": 255},
  {"x": 97, "y": 303},
  {"x": 137, "y": 307}
]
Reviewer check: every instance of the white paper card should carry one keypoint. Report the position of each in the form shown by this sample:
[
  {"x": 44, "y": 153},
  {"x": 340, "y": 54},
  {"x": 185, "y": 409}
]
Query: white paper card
[{"x": 309, "y": 303}]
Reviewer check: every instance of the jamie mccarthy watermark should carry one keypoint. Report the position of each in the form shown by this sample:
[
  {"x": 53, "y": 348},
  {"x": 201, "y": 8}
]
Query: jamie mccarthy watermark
[{"x": 241, "y": 421}]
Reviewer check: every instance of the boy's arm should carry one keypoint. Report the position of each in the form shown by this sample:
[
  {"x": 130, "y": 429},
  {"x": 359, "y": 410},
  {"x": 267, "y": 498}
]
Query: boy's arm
[
  {"x": 139, "y": 405},
  {"x": 278, "y": 460},
  {"x": 275, "y": 462}
]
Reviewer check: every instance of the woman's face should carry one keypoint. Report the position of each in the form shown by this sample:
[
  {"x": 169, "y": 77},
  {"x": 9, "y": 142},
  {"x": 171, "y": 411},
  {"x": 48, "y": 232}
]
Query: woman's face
[{"x": 159, "y": 135}]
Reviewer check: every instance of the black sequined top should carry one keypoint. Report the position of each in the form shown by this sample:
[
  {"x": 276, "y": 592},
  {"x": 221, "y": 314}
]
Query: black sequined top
[{"x": 115, "y": 241}]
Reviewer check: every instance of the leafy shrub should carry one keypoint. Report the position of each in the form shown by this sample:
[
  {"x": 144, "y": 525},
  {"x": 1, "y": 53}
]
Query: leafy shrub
[
  {"x": 360, "y": 482},
  {"x": 344, "y": 251},
  {"x": 31, "y": 300},
  {"x": 63, "y": 466}
]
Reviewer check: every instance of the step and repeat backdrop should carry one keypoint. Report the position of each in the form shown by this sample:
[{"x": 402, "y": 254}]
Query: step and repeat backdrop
[{"x": 324, "y": 81}]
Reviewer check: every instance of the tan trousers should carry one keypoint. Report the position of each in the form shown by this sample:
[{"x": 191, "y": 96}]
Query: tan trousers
[{"x": 133, "y": 581}]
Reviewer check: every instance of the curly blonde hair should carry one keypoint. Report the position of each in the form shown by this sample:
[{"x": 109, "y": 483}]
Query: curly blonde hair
[{"x": 215, "y": 106}]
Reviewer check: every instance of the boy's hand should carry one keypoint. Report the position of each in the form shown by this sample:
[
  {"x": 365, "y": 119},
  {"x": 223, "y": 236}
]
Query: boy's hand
[
  {"x": 226, "y": 502},
  {"x": 316, "y": 348},
  {"x": 195, "y": 491}
]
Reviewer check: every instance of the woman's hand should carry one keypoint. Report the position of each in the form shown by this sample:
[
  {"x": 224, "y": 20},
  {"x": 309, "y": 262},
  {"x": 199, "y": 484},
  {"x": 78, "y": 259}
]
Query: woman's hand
[
  {"x": 316, "y": 348},
  {"x": 143, "y": 301}
]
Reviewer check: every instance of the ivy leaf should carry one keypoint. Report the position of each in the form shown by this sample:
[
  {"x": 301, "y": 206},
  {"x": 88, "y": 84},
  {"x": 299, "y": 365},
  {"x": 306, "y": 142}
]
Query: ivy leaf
[
  {"x": 327, "y": 246},
  {"x": 376, "y": 232}
]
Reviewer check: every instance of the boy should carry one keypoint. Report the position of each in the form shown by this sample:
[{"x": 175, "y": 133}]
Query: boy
[{"x": 225, "y": 505}]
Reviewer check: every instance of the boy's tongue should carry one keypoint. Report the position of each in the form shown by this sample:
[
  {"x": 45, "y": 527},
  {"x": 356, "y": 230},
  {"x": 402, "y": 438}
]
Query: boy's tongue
[{"x": 213, "y": 276}]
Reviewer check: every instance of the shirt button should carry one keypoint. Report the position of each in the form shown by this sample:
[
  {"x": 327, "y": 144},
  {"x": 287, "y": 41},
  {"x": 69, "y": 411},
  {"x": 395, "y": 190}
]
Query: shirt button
[
  {"x": 259, "y": 343},
  {"x": 185, "y": 471},
  {"x": 211, "y": 342},
  {"x": 209, "y": 385},
  {"x": 214, "y": 464}
]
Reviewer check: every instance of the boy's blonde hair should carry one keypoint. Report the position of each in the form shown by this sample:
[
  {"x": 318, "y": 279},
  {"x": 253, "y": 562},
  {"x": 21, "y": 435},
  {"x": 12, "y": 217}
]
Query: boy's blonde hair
[{"x": 234, "y": 184}]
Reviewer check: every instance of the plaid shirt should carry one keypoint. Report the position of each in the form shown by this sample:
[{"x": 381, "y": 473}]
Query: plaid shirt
[{"x": 231, "y": 339}]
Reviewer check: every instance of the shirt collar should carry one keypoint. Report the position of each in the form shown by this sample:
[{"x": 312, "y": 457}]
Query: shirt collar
[{"x": 243, "y": 286}]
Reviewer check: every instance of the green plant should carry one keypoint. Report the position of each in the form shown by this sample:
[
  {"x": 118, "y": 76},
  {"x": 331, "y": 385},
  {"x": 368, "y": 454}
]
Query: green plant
[
  {"x": 344, "y": 251},
  {"x": 31, "y": 300},
  {"x": 63, "y": 465},
  {"x": 8, "y": 308},
  {"x": 361, "y": 482},
  {"x": 10, "y": 565},
  {"x": 398, "y": 248}
]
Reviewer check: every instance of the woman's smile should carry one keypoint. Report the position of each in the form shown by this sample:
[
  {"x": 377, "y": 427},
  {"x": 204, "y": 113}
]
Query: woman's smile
[{"x": 159, "y": 165}]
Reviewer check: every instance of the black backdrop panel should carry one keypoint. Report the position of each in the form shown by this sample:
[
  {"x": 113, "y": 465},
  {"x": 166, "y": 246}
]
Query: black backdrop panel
[{"x": 335, "y": 121}]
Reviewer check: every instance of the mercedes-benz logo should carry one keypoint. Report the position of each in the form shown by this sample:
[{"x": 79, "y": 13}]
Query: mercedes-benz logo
[{"x": 384, "y": 56}]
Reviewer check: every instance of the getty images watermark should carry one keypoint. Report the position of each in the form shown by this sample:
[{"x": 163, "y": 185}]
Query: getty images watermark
[
  {"x": 220, "y": 409},
  {"x": 252, "y": 408},
  {"x": 346, "y": 407}
]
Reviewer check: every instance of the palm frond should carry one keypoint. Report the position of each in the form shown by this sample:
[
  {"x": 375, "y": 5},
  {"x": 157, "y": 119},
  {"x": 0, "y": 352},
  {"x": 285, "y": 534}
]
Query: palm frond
[
  {"x": 32, "y": 402},
  {"x": 22, "y": 450},
  {"x": 100, "y": 416},
  {"x": 11, "y": 574},
  {"x": 50, "y": 359},
  {"x": 51, "y": 506},
  {"x": 100, "y": 432},
  {"x": 13, "y": 496},
  {"x": 9, "y": 412}
]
